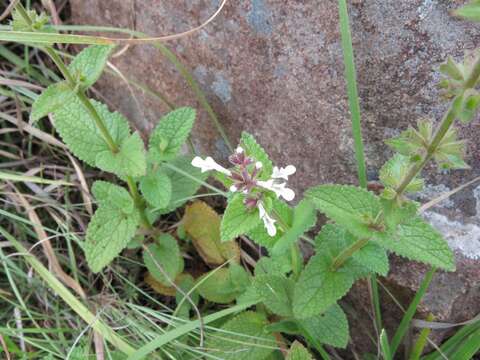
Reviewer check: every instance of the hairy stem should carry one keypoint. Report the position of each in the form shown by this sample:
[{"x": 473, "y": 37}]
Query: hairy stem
[
  {"x": 99, "y": 122},
  {"x": 348, "y": 252}
]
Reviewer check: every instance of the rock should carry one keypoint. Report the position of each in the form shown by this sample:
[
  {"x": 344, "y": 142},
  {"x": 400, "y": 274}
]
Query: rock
[{"x": 274, "y": 68}]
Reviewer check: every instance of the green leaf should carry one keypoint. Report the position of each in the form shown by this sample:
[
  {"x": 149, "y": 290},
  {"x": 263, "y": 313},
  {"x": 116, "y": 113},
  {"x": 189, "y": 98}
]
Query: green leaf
[
  {"x": 81, "y": 135},
  {"x": 329, "y": 328},
  {"x": 88, "y": 65},
  {"x": 320, "y": 285},
  {"x": 259, "y": 234},
  {"x": 182, "y": 187},
  {"x": 470, "y": 11},
  {"x": 394, "y": 171},
  {"x": 350, "y": 206},
  {"x": 222, "y": 285},
  {"x": 130, "y": 159},
  {"x": 51, "y": 99},
  {"x": 417, "y": 240},
  {"x": 276, "y": 292},
  {"x": 170, "y": 134},
  {"x": 451, "y": 151},
  {"x": 304, "y": 218},
  {"x": 278, "y": 265},
  {"x": 108, "y": 233},
  {"x": 298, "y": 352},
  {"x": 242, "y": 338},
  {"x": 255, "y": 151},
  {"x": 156, "y": 188},
  {"x": 202, "y": 223},
  {"x": 38, "y": 22},
  {"x": 165, "y": 253},
  {"x": 371, "y": 256},
  {"x": 451, "y": 69},
  {"x": 115, "y": 196},
  {"x": 237, "y": 219}
]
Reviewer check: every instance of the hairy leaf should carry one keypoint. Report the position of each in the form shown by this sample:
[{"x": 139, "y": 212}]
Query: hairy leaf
[
  {"x": 108, "y": 233},
  {"x": 242, "y": 338},
  {"x": 130, "y": 159},
  {"x": 164, "y": 254},
  {"x": 52, "y": 98},
  {"x": 80, "y": 133},
  {"x": 298, "y": 352},
  {"x": 276, "y": 292},
  {"x": 237, "y": 219},
  {"x": 156, "y": 188},
  {"x": 395, "y": 170},
  {"x": 255, "y": 151},
  {"x": 350, "y": 206},
  {"x": 223, "y": 285},
  {"x": 108, "y": 194},
  {"x": 88, "y": 65},
  {"x": 329, "y": 328},
  {"x": 202, "y": 223},
  {"x": 170, "y": 134}
]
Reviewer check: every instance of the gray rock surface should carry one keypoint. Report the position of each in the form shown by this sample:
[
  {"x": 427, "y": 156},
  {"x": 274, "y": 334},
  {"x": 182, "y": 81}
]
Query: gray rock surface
[{"x": 274, "y": 68}]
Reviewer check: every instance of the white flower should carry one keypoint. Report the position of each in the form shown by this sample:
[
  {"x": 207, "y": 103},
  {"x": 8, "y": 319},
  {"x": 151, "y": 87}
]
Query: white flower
[
  {"x": 279, "y": 189},
  {"x": 258, "y": 165},
  {"x": 239, "y": 150},
  {"x": 209, "y": 164},
  {"x": 283, "y": 173},
  {"x": 233, "y": 188},
  {"x": 267, "y": 220}
]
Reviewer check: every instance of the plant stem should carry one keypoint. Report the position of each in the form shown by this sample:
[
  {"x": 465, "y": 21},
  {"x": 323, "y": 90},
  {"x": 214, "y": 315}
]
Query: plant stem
[
  {"x": 348, "y": 252},
  {"x": 99, "y": 122}
]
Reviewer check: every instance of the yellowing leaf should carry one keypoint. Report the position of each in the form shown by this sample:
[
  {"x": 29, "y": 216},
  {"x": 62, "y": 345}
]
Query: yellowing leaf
[
  {"x": 202, "y": 223},
  {"x": 159, "y": 287}
]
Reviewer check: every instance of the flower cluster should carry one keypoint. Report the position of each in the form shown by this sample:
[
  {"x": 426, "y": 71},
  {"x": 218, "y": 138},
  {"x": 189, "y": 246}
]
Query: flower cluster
[{"x": 244, "y": 176}]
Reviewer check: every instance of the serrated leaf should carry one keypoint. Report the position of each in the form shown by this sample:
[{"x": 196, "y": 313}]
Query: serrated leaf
[
  {"x": 130, "y": 160},
  {"x": 170, "y": 134},
  {"x": 88, "y": 65},
  {"x": 220, "y": 286},
  {"x": 350, "y": 206},
  {"x": 202, "y": 223},
  {"x": 304, "y": 218},
  {"x": 278, "y": 265},
  {"x": 417, "y": 240},
  {"x": 182, "y": 187},
  {"x": 108, "y": 233},
  {"x": 394, "y": 171},
  {"x": 166, "y": 254},
  {"x": 37, "y": 22},
  {"x": 81, "y": 135},
  {"x": 259, "y": 234},
  {"x": 115, "y": 196},
  {"x": 329, "y": 328},
  {"x": 51, "y": 99},
  {"x": 242, "y": 338},
  {"x": 156, "y": 188},
  {"x": 276, "y": 292},
  {"x": 237, "y": 219},
  {"x": 255, "y": 151},
  {"x": 370, "y": 256},
  {"x": 298, "y": 352}
]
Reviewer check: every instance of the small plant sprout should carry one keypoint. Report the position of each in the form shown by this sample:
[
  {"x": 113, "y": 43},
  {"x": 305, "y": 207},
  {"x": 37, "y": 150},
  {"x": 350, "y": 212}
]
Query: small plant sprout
[{"x": 244, "y": 178}]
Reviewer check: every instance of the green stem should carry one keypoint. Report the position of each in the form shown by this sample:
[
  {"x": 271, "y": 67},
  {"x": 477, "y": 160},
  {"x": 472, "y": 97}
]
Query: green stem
[{"x": 348, "y": 252}]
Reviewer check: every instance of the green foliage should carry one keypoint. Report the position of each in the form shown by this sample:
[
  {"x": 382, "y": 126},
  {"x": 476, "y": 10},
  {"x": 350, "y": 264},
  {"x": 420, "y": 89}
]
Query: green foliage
[
  {"x": 276, "y": 292},
  {"x": 38, "y": 22},
  {"x": 237, "y": 219},
  {"x": 354, "y": 208},
  {"x": 470, "y": 11},
  {"x": 330, "y": 327},
  {"x": 223, "y": 285},
  {"x": 255, "y": 151},
  {"x": 115, "y": 196},
  {"x": 304, "y": 218},
  {"x": 242, "y": 338},
  {"x": 164, "y": 254},
  {"x": 450, "y": 152},
  {"x": 129, "y": 160},
  {"x": 51, "y": 99},
  {"x": 89, "y": 64},
  {"x": 80, "y": 133},
  {"x": 393, "y": 173},
  {"x": 156, "y": 188},
  {"x": 298, "y": 352},
  {"x": 170, "y": 134},
  {"x": 108, "y": 233},
  {"x": 417, "y": 240}
]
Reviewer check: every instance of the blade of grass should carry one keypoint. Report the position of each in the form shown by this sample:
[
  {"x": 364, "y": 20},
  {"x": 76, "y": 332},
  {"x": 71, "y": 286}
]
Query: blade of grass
[
  {"x": 32, "y": 179},
  {"x": 412, "y": 309},
  {"x": 421, "y": 341},
  {"x": 387, "y": 353},
  {"x": 107, "y": 332}
]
